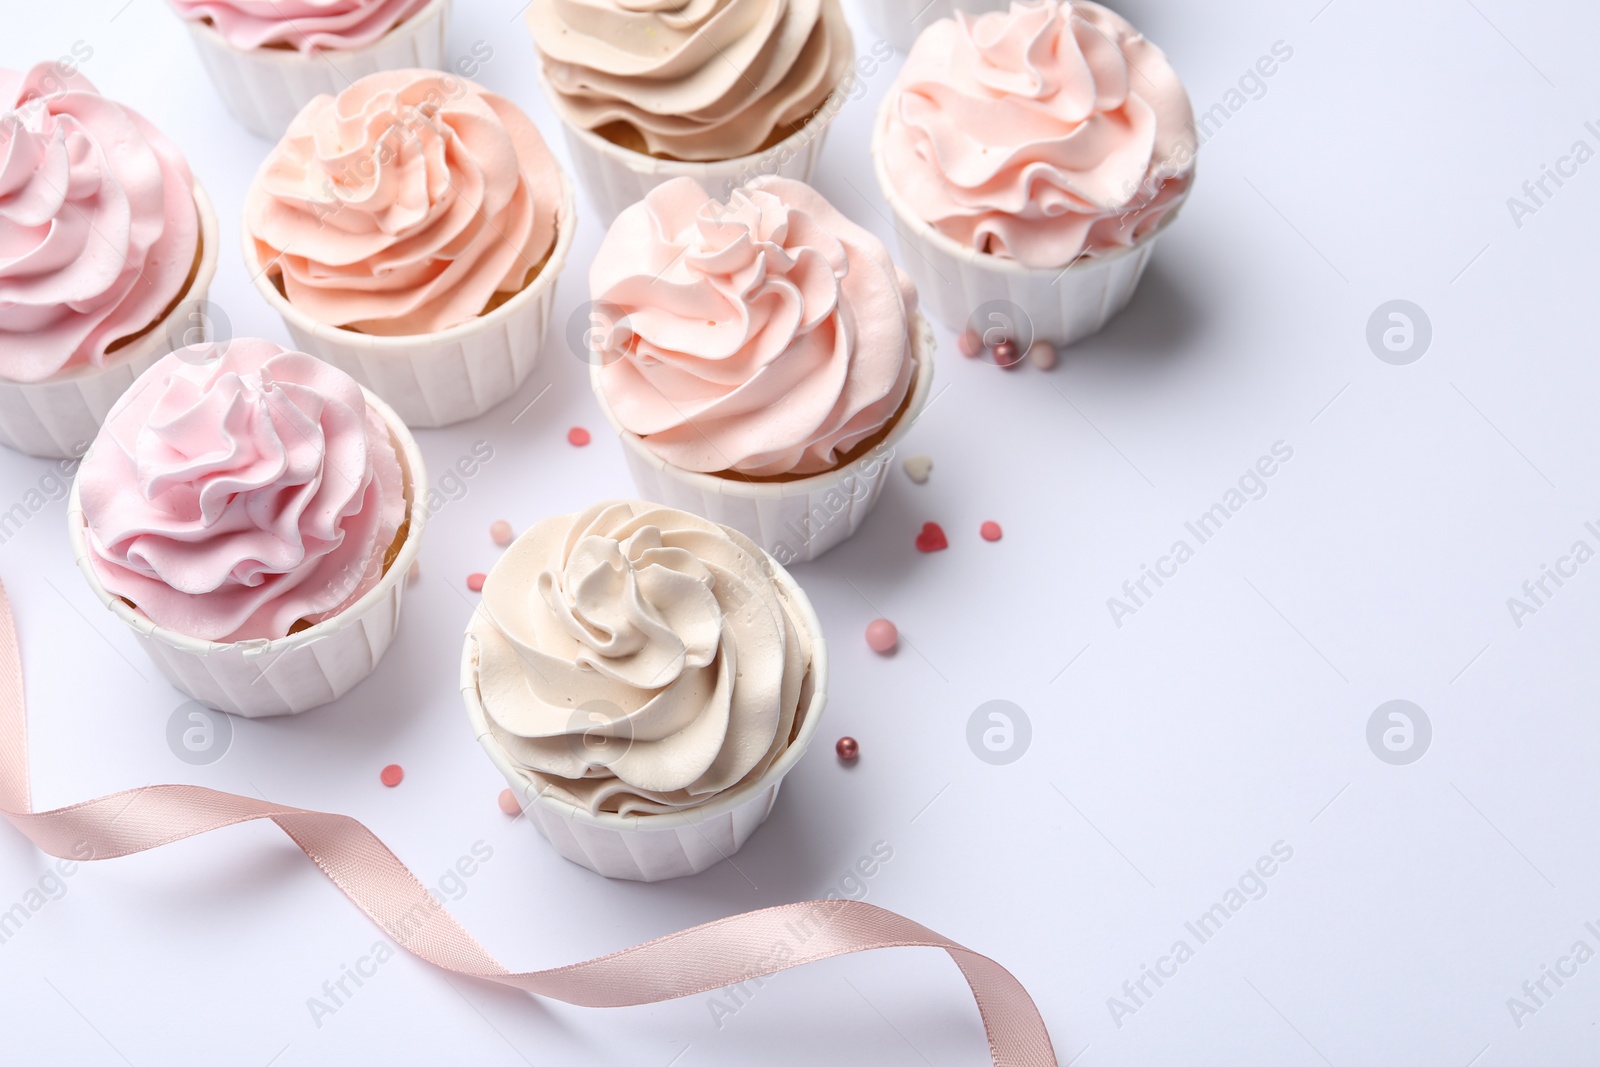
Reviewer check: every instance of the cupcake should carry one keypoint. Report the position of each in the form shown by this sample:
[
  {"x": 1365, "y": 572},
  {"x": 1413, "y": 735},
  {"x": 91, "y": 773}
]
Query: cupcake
[
  {"x": 1032, "y": 157},
  {"x": 721, "y": 91},
  {"x": 899, "y": 21},
  {"x": 251, "y": 513},
  {"x": 107, "y": 248},
  {"x": 410, "y": 231},
  {"x": 270, "y": 58},
  {"x": 759, "y": 358},
  {"x": 644, "y": 679}
]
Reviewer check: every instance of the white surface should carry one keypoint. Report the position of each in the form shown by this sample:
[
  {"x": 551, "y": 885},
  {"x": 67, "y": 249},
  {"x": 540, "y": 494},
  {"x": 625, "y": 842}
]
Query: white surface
[
  {"x": 1189, "y": 741},
  {"x": 899, "y": 21}
]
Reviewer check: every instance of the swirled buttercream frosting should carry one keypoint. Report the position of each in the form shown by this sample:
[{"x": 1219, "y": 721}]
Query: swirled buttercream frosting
[
  {"x": 765, "y": 336},
  {"x": 638, "y": 659},
  {"x": 98, "y": 228},
  {"x": 303, "y": 25},
  {"x": 239, "y": 492},
  {"x": 697, "y": 80},
  {"x": 1039, "y": 134},
  {"x": 411, "y": 202}
]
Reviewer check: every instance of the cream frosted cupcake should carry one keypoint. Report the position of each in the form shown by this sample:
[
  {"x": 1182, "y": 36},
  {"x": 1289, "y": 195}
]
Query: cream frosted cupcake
[
  {"x": 759, "y": 358},
  {"x": 644, "y": 679},
  {"x": 251, "y": 513},
  {"x": 107, "y": 248},
  {"x": 410, "y": 231},
  {"x": 1031, "y": 157},
  {"x": 270, "y": 58},
  {"x": 720, "y": 91}
]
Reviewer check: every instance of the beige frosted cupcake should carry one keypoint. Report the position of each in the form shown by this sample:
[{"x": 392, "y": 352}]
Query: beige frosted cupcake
[
  {"x": 1031, "y": 157},
  {"x": 644, "y": 679},
  {"x": 107, "y": 249},
  {"x": 270, "y": 58},
  {"x": 760, "y": 359},
  {"x": 410, "y": 231},
  {"x": 267, "y": 579},
  {"x": 721, "y": 91}
]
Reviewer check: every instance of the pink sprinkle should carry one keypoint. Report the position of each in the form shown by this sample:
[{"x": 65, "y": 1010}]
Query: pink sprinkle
[
  {"x": 414, "y": 573},
  {"x": 882, "y": 637},
  {"x": 500, "y": 532},
  {"x": 509, "y": 803},
  {"x": 475, "y": 581},
  {"x": 578, "y": 436},
  {"x": 391, "y": 775},
  {"x": 990, "y": 531},
  {"x": 932, "y": 538},
  {"x": 970, "y": 343}
]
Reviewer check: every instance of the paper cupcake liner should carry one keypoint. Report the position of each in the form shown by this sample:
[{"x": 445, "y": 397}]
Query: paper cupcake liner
[
  {"x": 795, "y": 521},
  {"x": 650, "y": 848},
  {"x": 59, "y": 416},
  {"x": 441, "y": 378},
  {"x": 265, "y": 88},
  {"x": 900, "y": 21},
  {"x": 291, "y": 674},
  {"x": 955, "y": 282},
  {"x": 615, "y": 177}
]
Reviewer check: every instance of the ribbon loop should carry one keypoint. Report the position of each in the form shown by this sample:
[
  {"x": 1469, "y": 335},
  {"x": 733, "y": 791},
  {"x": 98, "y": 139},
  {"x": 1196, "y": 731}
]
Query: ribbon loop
[{"x": 719, "y": 953}]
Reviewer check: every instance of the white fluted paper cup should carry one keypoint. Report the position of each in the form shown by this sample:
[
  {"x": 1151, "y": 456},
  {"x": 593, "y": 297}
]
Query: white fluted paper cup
[
  {"x": 285, "y": 675},
  {"x": 955, "y": 282},
  {"x": 436, "y": 379},
  {"x": 900, "y": 21},
  {"x": 615, "y": 177},
  {"x": 651, "y": 848},
  {"x": 265, "y": 88},
  {"x": 795, "y": 520},
  {"x": 58, "y": 416}
]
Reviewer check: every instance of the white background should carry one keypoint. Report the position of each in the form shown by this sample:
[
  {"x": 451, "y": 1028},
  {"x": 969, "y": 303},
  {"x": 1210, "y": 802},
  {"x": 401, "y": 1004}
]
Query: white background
[{"x": 1228, "y": 714}]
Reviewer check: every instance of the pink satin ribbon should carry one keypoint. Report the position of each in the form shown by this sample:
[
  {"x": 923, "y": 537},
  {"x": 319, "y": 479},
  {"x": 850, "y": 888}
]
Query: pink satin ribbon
[{"x": 720, "y": 953}]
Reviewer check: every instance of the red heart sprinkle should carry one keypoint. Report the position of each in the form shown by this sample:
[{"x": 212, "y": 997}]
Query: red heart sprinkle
[{"x": 932, "y": 538}]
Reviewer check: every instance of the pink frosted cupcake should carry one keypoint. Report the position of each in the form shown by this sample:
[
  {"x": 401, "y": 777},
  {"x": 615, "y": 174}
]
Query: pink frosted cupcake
[
  {"x": 410, "y": 231},
  {"x": 249, "y": 512},
  {"x": 1031, "y": 157},
  {"x": 760, "y": 359},
  {"x": 270, "y": 58},
  {"x": 107, "y": 244}
]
